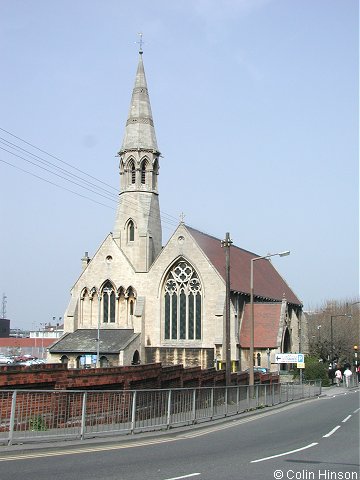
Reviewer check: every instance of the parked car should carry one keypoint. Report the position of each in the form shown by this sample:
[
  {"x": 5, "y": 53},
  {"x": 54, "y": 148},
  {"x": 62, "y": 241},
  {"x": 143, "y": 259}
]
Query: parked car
[
  {"x": 5, "y": 359},
  {"x": 259, "y": 370},
  {"x": 24, "y": 358}
]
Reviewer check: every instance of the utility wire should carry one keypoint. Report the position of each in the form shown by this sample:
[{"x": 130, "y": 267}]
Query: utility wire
[
  {"x": 56, "y": 158},
  {"x": 46, "y": 162},
  {"x": 165, "y": 216},
  {"x": 58, "y": 175},
  {"x": 53, "y": 183},
  {"x": 36, "y": 158},
  {"x": 64, "y": 188}
]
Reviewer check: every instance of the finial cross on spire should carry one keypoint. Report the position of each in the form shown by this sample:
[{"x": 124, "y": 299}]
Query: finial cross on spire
[
  {"x": 140, "y": 42},
  {"x": 182, "y": 217}
]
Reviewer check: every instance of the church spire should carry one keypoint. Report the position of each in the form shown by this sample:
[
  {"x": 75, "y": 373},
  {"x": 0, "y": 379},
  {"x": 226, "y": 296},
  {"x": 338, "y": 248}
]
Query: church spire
[
  {"x": 140, "y": 131},
  {"x": 137, "y": 228}
]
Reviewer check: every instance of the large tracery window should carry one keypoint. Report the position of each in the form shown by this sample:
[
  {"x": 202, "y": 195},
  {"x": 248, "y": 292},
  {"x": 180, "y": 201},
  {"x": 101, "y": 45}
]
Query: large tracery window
[{"x": 182, "y": 303}]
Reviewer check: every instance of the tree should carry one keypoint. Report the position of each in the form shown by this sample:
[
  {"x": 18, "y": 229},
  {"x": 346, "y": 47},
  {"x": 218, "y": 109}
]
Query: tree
[{"x": 336, "y": 343}]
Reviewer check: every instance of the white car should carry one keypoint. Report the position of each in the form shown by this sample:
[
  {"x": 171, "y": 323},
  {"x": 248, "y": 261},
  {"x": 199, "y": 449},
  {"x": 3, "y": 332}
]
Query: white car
[{"x": 5, "y": 360}]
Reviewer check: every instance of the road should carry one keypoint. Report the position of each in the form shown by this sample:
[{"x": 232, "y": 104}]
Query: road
[{"x": 313, "y": 440}]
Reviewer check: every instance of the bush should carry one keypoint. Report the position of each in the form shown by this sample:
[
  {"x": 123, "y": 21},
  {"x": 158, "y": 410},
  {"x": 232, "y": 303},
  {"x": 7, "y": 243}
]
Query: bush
[{"x": 315, "y": 370}]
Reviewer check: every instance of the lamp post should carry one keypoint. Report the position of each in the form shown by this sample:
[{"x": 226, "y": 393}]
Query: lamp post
[
  {"x": 265, "y": 257},
  {"x": 98, "y": 332},
  {"x": 332, "y": 335},
  {"x": 227, "y": 244},
  {"x": 319, "y": 336},
  {"x": 42, "y": 326}
]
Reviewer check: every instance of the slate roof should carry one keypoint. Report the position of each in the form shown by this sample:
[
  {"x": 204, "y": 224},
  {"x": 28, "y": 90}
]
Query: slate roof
[
  {"x": 85, "y": 341},
  {"x": 268, "y": 283},
  {"x": 266, "y": 325}
]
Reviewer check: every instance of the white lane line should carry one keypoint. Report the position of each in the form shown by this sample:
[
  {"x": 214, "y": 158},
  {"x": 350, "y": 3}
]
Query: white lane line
[
  {"x": 331, "y": 432},
  {"x": 285, "y": 453},
  {"x": 355, "y": 411},
  {"x": 346, "y": 419},
  {"x": 184, "y": 476}
]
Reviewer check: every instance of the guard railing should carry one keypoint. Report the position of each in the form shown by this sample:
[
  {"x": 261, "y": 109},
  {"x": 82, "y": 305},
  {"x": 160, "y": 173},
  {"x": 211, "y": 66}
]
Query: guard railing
[{"x": 41, "y": 415}]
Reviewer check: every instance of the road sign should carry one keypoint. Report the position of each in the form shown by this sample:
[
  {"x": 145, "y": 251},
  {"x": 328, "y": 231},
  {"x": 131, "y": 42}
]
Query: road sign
[
  {"x": 300, "y": 365},
  {"x": 289, "y": 358}
]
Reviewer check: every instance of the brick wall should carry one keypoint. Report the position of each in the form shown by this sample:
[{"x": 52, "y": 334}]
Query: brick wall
[{"x": 151, "y": 376}]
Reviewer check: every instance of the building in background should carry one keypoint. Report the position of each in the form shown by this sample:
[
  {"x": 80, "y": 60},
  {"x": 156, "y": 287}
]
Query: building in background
[{"x": 4, "y": 327}]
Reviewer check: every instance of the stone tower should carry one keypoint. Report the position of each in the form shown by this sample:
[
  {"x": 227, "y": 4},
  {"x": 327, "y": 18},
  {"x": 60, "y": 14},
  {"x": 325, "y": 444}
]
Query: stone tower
[{"x": 137, "y": 228}]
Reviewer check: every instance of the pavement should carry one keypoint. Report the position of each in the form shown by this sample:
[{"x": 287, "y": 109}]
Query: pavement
[{"x": 335, "y": 390}]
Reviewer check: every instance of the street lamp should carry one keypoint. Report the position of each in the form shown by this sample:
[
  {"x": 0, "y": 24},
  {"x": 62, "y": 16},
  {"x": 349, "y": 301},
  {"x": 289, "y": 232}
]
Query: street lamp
[
  {"x": 98, "y": 332},
  {"x": 319, "y": 327},
  {"x": 265, "y": 257},
  {"x": 108, "y": 291},
  {"x": 332, "y": 336}
]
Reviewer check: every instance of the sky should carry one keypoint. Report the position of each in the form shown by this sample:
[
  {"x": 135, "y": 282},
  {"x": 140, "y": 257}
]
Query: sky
[{"x": 255, "y": 105}]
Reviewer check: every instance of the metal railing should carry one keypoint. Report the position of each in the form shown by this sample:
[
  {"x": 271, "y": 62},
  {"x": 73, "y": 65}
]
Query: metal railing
[{"x": 33, "y": 415}]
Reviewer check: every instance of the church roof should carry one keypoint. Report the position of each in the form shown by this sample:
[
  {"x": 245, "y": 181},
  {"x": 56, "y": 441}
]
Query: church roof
[
  {"x": 268, "y": 283},
  {"x": 85, "y": 341},
  {"x": 266, "y": 325},
  {"x": 140, "y": 131}
]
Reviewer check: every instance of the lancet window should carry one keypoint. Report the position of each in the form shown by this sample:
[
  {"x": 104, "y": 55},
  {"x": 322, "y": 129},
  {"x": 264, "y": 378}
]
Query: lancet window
[
  {"x": 131, "y": 231},
  {"x": 108, "y": 300},
  {"x": 132, "y": 172},
  {"x": 143, "y": 173},
  {"x": 182, "y": 303}
]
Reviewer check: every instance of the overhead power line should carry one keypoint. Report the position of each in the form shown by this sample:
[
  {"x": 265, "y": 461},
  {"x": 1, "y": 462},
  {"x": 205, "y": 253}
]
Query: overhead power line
[{"x": 68, "y": 176}]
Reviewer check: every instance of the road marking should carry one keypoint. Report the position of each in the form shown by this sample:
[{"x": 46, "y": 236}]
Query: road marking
[
  {"x": 346, "y": 419},
  {"x": 184, "y": 476},
  {"x": 331, "y": 432},
  {"x": 285, "y": 453},
  {"x": 355, "y": 411}
]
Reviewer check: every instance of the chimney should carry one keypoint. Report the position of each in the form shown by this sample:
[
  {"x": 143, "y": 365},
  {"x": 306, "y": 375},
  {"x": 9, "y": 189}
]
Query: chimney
[{"x": 85, "y": 260}]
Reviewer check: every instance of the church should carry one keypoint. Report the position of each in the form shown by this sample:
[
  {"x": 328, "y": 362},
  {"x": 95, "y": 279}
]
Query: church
[{"x": 137, "y": 301}]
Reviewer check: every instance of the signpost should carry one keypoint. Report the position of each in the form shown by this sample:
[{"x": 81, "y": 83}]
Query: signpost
[{"x": 297, "y": 358}]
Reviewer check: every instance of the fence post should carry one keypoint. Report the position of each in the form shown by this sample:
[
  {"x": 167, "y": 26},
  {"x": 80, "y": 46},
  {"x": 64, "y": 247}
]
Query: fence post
[
  {"x": 83, "y": 416},
  {"x": 280, "y": 399},
  {"x": 265, "y": 395},
  {"x": 194, "y": 406},
  {"x": 212, "y": 403},
  {"x": 226, "y": 401},
  {"x": 168, "y": 410},
  {"x": 12, "y": 417},
  {"x": 248, "y": 396},
  {"x": 133, "y": 412},
  {"x": 237, "y": 399}
]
